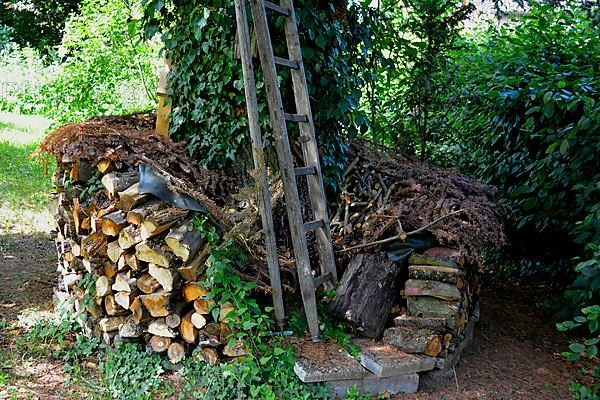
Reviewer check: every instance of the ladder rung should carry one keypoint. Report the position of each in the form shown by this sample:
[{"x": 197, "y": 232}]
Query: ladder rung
[
  {"x": 305, "y": 171},
  {"x": 319, "y": 280},
  {"x": 296, "y": 117},
  {"x": 286, "y": 63},
  {"x": 314, "y": 225},
  {"x": 277, "y": 8},
  {"x": 304, "y": 138}
]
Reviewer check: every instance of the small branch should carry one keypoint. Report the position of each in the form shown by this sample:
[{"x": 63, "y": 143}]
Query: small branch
[{"x": 401, "y": 235}]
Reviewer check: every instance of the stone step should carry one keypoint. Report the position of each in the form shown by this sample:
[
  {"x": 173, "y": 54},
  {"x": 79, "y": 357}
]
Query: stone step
[
  {"x": 327, "y": 362},
  {"x": 384, "y": 360}
]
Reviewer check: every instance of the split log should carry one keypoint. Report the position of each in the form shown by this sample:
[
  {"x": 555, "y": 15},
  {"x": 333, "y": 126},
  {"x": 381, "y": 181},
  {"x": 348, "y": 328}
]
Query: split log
[
  {"x": 209, "y": 356},
  {"x": 102, "y": 286},
  {"x": 132, "y": 261},
  {"x": 81, "y": 171},
  {"x": 440, "y": 290},
  {"x": 435, "y": 273},
  {"x": 129, "y": 237},
  {"x": 113, "y": 223},
  {"x": 136, "y": 310},
  {"x": 192, "y": 291},
  {"x": 212, "y": 329},
  {"x": 185, "y": 240},
  {"x": 94, "y": 245},
  {"x": 162, "y": 275},
  {"x": 137, "y": 215},
  {"x": 111, "y": 324},
  {"x": 176, "y": 352},
  {"x": 158, "y": 327},
  {"x": 159, "y": 344},
  {"x": 411, "y": 340},
  {"x": 121, "y": 264},
  {"x": 187, "y": 330},
  {"x": 190, "y": 271},
  {"x": 224, "y": 311},
  {"x": 147, "y": 283},
  {"x": 121, "y": 284},
  {"x": 148, "y": 252},
  {"x": 157, "y": 304},
  {"x": 161, "y": 220},
  {"x": 367, "y": 292},
  {"x": 131, "y": 197},
  {"x": 123, "y": 299},
  {"x": 114, "y": 251},
  {"x": 111, "y": 306},
  {"x": 198, "y": 320},
  {"x": 104, "y": 166},
  {"x": 118, "y": 181},
  {"x": 203, "y": 306},
  {"x": 130, "y": 329}
]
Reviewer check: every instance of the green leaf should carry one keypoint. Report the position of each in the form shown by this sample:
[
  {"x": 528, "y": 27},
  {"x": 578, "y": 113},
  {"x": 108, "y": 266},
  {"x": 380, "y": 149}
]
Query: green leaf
[
  {"x": 547, "y": 97},
  {"x": 577, "y": 347},
  {"x": 548, "y": 110},
  {"x": 551, "y": 148},
  {"x": 564, "y": 146}
]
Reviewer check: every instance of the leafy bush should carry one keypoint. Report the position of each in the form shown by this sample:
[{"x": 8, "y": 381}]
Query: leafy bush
[{"x": 105, "y": 67}]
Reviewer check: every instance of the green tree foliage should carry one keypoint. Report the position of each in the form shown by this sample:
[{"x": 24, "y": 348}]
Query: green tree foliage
[
  {"x": 209, "y": 105},
  {"x": 36, "y": 23},
  {"x": 106, "y": 68}
]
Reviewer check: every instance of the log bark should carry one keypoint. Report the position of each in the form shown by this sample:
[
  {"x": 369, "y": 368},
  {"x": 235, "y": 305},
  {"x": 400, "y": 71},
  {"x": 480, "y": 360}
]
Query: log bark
[
  {"x": 367, "y": 292},
  {"x": 161, "y": 220},
  {"x": 422, "y": 259},
  {"x": 435, "y": 324},
  {"x": 447, "y": 254},
  {"x": 411, "y": 340},
  {"x": 440, "y": 290},
  {"x": 187, "y": 330},
  {"x": 435, "y": 273},
  {"x": 185, "y": 240},
  {"x": 137, "y": 215},
  {"x": 429, "y": 307}
]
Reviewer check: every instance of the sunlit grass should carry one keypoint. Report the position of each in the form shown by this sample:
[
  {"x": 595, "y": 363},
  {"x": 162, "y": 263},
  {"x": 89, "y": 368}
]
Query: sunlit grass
[{"x": 24, "y": 184}]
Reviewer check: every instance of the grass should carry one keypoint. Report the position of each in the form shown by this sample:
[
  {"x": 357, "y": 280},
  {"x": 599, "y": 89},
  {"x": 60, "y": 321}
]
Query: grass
[{"x": 24, "y": 186}]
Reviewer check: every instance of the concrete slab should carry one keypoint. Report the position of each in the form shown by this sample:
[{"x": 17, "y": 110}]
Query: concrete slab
[
  {"x": 384, "y": 360},
  {"x": 373, "y": 385},
  {"x": 324, "y": 362}
]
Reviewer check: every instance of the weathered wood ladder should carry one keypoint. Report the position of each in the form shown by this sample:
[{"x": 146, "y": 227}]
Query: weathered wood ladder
[{"x": 289, "y": 173}]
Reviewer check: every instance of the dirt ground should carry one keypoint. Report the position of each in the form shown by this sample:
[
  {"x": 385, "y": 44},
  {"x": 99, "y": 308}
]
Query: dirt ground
[{"x": 515, "y": 355}]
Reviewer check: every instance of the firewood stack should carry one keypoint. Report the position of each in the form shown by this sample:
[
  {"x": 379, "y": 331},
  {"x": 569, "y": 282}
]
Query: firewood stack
[
  {"x": 131, "y": 263},
  {"x": 441, "y": 298}
]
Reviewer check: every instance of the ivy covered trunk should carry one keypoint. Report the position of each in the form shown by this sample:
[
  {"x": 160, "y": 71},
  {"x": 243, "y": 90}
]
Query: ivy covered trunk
[{"x": 209, "y": 111}]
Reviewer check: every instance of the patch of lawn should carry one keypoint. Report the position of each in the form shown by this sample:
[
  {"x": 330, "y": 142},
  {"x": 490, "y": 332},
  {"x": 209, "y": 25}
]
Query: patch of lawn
[{"x": 24, "y": 186}]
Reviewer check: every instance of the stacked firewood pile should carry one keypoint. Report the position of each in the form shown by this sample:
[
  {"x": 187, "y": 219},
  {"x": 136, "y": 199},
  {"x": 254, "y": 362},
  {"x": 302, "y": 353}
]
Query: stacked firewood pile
[
  {"x": 412, "y": 236},
  {"x": 146, "y": 249}
]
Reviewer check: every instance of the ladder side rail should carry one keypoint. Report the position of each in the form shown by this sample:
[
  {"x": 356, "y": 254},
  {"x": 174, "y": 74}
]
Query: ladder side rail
[
  {"x": 260, "y": 173},
  {"x": 309, "y": 148},
  {"x": 282, "y": 145}
]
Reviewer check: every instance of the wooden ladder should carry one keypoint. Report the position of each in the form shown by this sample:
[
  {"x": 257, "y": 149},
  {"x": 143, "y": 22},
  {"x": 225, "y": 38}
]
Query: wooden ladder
[{"x": 289, "y": 173}]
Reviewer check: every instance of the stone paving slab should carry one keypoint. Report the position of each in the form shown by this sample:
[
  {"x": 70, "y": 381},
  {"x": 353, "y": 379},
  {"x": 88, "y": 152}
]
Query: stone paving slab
[
  {"x": 384, "y": 360},
  {"x": 324, "y": 362},
  {"x": 373, "y": 385}
]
